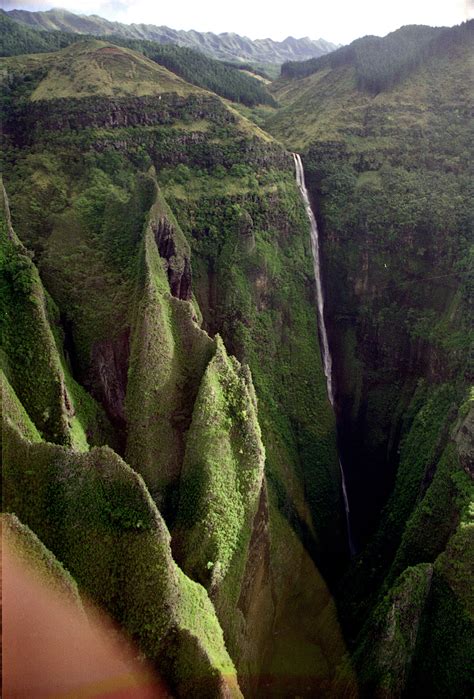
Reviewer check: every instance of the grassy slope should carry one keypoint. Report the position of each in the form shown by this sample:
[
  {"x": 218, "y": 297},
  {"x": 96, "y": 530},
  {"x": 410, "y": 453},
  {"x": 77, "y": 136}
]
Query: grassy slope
[{"x": 99, "y": 68}]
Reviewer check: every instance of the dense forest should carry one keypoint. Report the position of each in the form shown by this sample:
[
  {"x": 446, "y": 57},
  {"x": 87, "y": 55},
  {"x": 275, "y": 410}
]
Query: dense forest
[{"x": 382, "y": 63}]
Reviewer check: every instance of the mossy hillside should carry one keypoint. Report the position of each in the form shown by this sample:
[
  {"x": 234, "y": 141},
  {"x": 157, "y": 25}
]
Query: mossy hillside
[
  {"x": 96, "y": 516},
  {"x": 437, "y": 536},
  {"x": 385, "y": 651},
  {"x": 437, "y": 512},
  {"x": 446, "y": 642},
  {"x": 84, "y": 222},
  {"x": 31, "y": 552},
  {"x": 12, "y": 409},
  {"x": 252, "y": 271},
  {"x": 390, "y": 179},
  {"x": 442, "y": 666},
  {"x": 396, "y": 238},
  {"x": 32, "y": 354},
  {"x": 445, "y": 645},
  {"x": 169, "y": 354},
  {"x": 427, "y": 421},
  {"x": 220, "y": 487},
  {"x": 224, "y": 419}
]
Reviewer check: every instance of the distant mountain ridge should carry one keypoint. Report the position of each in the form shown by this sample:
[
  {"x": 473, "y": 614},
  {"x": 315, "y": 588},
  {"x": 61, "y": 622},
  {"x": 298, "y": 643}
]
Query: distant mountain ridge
[{"x": 226, "y": 46}]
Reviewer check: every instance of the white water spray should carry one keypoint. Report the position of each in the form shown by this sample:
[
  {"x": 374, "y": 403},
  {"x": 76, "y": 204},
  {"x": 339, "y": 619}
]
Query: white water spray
[{"x": 326, "y": 355}]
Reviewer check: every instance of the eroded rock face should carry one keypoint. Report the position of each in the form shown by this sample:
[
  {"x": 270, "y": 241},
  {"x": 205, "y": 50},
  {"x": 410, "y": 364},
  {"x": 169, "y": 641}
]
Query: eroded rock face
[
  {"x": 109, "y": 360},
  {"x": 178, "y": 266},
  {"x": 95, "y": 112}
]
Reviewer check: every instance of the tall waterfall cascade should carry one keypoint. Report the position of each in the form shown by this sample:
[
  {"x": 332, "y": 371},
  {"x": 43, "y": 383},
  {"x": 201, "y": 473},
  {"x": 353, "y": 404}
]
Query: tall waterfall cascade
[{"x": 326, "y": 354}]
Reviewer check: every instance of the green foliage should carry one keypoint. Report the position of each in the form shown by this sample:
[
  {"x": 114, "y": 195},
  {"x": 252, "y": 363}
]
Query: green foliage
[
  {"x": 169, "y": 354},
  {"x": 18, "y": 39},
  {"x": 443, "y": 664},
  {"x": 382, "y": 63},
  {"x": 196, "y": 68},
  {"x": 96, "y": 516},
  {"x": 26, "y": 546},
  {"x": 222, "y": 476},
  {"x": 387, "y": 642}
]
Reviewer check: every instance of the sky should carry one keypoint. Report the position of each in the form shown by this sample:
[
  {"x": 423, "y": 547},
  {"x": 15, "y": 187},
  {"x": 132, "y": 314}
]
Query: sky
[{"x": 339, "y": 21}]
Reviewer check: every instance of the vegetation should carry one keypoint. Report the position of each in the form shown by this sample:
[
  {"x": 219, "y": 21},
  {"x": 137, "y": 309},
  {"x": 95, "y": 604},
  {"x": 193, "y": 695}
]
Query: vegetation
[
  {"x": 385, "y": 128},
  {"x": 163, "y": 397},
  {"x": 95, "y": 515},
  {"x": 382, "y": 63},
  {"x": 224, "y": 78}
]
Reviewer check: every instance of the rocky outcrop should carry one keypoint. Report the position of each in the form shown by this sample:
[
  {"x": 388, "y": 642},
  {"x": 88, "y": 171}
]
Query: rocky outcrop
[
  {"x": 178, "y": 268},
  {"x": 108, "y": 375},
  {"x": 66, "y": 115}
]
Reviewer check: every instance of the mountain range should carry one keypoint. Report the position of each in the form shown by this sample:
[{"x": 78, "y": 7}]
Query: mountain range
[{"x": 226, "y": 46}]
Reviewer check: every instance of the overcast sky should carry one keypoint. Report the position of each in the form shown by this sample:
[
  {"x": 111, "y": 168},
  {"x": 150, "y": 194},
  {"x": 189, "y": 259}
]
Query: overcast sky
[{"x": 339, "y": 21}]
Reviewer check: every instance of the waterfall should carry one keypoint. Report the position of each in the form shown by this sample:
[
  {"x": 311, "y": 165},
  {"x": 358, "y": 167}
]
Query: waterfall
[{"x": 326, "y": 354}]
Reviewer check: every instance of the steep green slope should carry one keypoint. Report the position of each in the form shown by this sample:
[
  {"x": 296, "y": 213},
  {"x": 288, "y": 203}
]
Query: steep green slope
[
  {"x": 88, "y": 508},
  {"x": 101, "y": 519},
  {"x": 390, "y": 181},
  {"x": 379, "y": 62},
  {"x": 147, "y": 211},
  {"x": 389, "y": 175},
  {"x": 32, "y": 356}
]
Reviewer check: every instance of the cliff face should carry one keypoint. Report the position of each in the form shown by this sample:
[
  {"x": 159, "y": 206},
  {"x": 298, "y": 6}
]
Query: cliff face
[
  {"x": 146, "y": 221},
  {"x": 388, "y": 175}
]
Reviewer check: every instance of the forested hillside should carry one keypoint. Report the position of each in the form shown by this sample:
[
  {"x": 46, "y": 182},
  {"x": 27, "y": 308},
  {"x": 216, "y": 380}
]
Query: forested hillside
[{"x": 382, "y": 63}]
